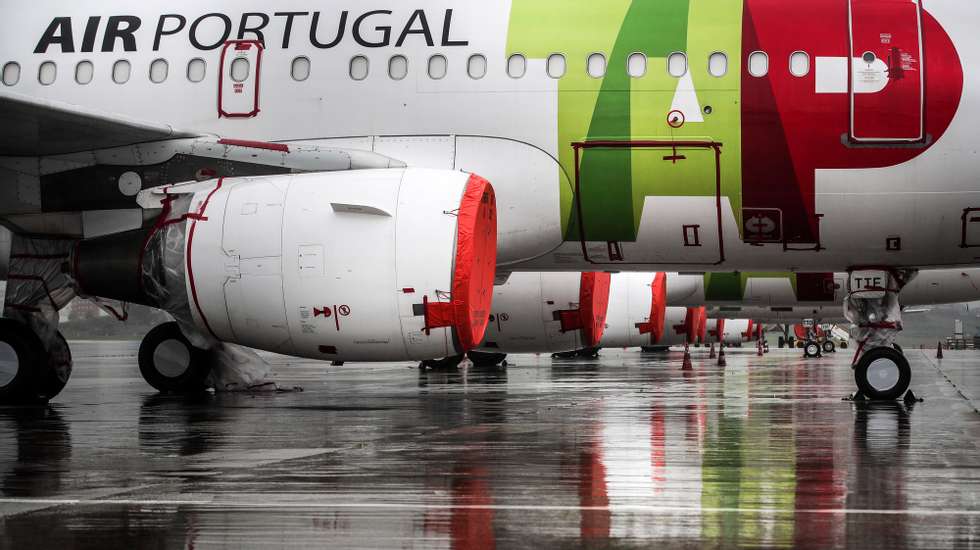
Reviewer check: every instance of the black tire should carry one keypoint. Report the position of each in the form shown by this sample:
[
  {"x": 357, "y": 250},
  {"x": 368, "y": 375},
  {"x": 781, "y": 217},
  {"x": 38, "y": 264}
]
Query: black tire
[
  {"x": 169, "y": 362},
  {"x": 811, "y": 349},
  {"x": 486, "y": 359},
  {"x": 882, "y": 373},
  {"x": 58, "y": 369},
  {"x": 843, "y": 345},
  {"x": 21, "y": 354},
  {"x": 829, "y": 347},
  {"x": 447, "y": 363},
  {"x": 781, "y": 342}
]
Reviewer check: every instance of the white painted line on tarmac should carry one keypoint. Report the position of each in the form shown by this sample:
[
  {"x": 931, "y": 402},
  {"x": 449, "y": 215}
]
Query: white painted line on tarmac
[{"x": 502, "y": 507}]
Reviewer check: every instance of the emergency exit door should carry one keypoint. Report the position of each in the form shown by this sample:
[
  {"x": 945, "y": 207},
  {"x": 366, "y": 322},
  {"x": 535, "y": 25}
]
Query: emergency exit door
[
  {"x": 886, "y": 80},
  {"x": 238, "y": 83}
]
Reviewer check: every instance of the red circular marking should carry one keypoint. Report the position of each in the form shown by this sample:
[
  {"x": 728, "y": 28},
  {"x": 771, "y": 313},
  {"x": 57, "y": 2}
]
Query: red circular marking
[
  {"x": 675, "y": 121},
  {"x": 344, "y": 310}
]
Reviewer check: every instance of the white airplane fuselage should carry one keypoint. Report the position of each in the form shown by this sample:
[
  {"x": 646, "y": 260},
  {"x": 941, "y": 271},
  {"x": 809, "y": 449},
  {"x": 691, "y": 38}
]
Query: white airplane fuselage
[{"x": 872, "y": 193}]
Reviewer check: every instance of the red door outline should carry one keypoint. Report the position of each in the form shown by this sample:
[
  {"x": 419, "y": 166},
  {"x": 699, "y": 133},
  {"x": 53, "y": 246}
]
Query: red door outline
[
  {"x": 896, "y": 113},
  {"x": 578, "y": 146},
  {"x": 239, "y": 45}
]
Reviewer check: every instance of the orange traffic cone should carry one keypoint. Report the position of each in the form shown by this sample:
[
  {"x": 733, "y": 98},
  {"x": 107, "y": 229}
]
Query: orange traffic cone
[
  {"x": 721, "y": 358},
  {"x": 711, "y": 351},
  {"x": 939, "y": 351}
]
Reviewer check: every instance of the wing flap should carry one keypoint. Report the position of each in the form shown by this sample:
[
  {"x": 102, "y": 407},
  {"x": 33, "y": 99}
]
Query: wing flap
[{"x": 42, "y": 127}]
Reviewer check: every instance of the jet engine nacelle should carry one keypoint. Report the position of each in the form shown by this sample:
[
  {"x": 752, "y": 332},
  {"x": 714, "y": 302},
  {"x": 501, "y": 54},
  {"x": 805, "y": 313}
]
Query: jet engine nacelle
[
  {"x": 636, "y": 310},
  {"x": 739, "y": 331},
  {"x": 547, "y": 312},
  {"x": 367, "y": 265},
  {"x": 684, "y": 325}
]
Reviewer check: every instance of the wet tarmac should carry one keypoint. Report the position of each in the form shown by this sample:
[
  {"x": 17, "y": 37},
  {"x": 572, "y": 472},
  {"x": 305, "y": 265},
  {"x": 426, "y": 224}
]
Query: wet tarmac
[{"x": 626, "y": 451}]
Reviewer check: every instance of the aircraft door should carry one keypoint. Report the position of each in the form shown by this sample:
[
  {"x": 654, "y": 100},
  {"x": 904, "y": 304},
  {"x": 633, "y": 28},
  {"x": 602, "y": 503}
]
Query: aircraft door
[
  {"x": 648, "y": 202},
  {"x": 886, "y": 79},
  {"x": 238, "y": 83}
]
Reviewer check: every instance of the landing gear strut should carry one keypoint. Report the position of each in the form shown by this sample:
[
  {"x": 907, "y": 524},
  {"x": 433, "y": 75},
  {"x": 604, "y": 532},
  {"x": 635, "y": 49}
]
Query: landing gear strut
[{"x": 881, "y": 370}]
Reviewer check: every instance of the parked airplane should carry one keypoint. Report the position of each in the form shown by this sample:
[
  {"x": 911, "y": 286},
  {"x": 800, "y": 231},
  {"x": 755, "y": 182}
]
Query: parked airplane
[
  {"x": 304, "y": 179},
  {"x": 564, "y": 312}
]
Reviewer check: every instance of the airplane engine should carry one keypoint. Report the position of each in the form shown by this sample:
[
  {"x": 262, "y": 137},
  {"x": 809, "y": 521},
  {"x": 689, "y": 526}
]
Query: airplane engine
[
  {"x": 684, "y": 325},
  {"x": 548, "y": 312},
  {"x": 636, "y": 310},
  {"x": 366, "y": 265},
  {"x": 738, "y": 331}
]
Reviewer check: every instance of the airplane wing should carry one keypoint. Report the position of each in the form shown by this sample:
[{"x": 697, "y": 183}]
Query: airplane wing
[{"x": 40, "y": 127}]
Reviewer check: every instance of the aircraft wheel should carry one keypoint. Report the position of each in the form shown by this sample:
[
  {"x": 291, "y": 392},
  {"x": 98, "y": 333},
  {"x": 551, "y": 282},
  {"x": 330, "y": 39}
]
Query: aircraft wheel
[
  {"x": 829, "y": 347},
  {"x": 20, "y": 359},
  {"x": 883, "y": 373},
  {"x": 55, "y": 377},
  {"x": 448, "y": 363},
  {"x": 169, "y": 362},
  {"x": 781, "y": 342},
  {"x": 486, "y": 359},
  {"x": 843, "y": 345},
  {"x": 811, "y": 349}
]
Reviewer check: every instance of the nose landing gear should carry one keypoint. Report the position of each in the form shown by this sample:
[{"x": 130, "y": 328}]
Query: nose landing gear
[{"x": 881, "y": 371}]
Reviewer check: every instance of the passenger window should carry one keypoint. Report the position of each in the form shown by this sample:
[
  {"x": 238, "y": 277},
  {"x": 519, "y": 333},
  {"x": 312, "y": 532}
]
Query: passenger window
[
  {"x": 398, "y": 67},
  {"x": 758, "y": 64},
  {"x": 677, "y": 64},
  {"x": 47, "y": 73},
  {"x": 596, "y": 65},
  {"x": 359, "y": 67},
  {"x": 239, "y": 69},
  {"x": 11, "y": 73},
  {"x": 438, "y": 67},
  {"x": 718, "y": 64},
  {"x": 300, "y": 70},
  {"x": 476, "y": 67},
  {"x": 196, "y": 69},
  {"x": 556, "y": 65},
  {"x": 120, "y": 71},
  {"x": 159, "y": 70},
  {"x": 799, "y": 64},
  {"x": 636, "y": 65},
  {"x": 516, "y": 66},
  {"x": 84, "y": 72}
]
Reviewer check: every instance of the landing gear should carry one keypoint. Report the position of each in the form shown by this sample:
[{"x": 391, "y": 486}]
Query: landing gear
[
  {"x": 28, "y": 372},
  {"x": 448, "y": 363},
  {"x": 487, "y": 359},
  {"x": 811, "y": 349},
  {"x": 169, "y": 362},
  {"x": 828, "y": 346},
  {"x": 882, "y": 373},
  {"x": 881, "y": 370}
]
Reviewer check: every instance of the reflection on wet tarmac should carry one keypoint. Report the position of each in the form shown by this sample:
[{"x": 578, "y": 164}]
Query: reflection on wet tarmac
[{"x": 627, "y": 450}]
